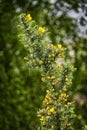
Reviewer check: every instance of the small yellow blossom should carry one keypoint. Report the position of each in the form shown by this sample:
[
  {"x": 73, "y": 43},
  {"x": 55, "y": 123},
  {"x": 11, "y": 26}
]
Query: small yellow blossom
[
  {"x": 63, "y": 95},
  {"x": 54, "y": 83},
  {"x": 68, "y": 80},
  {"x": 42, "y": 119},
  {"x": 48, "y": 108},
  {"x": 59, "y": 46},
  {"x": 52, "y": 110},
  {"x": 52, "y": 77},
  {"x": 47, "y": 91},
  {"x": 28, "y": 17},
  {"x": 40, "y": 62},
  {"x": 41, "y": 30},
  {"x": 60, "y": 55},
  {"x": 43, "y": 79},
  {"x": 52, "y": 126},
  {"x": 52, "y": 46},
  {"x": 47, "y": 97},
  {"x": 45, "y": 102},
  {"x": 48, "y": 77}
]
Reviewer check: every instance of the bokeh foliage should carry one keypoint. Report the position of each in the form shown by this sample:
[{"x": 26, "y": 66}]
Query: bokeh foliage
[{"x": 20, "y": 93}]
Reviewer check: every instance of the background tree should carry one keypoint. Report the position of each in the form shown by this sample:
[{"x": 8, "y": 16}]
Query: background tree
[{"x": 20, "y": 97}]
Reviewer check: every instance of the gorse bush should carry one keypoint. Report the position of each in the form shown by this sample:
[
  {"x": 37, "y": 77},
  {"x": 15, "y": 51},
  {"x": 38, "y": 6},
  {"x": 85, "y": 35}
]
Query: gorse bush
[{"x": 57, "y": 110}]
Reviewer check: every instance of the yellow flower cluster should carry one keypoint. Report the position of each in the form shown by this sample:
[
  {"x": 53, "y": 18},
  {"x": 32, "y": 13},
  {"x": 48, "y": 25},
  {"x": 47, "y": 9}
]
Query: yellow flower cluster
[
  {"x": 60, "y": 55},
  {"x": 58, "y": 48},
  {"x": 42, "y": 30},
  {"x": 63, "y": 97},
  {"x": 47, "y": 117},
  {"x": 48, "y": 99},
  {"x": 68, "y": 80},
  {"x": 68, "y": 104},
  {"x": 50, "y": 77},
  {"x": 28, "y": 17},
  {"x": 42, "y": 119}
]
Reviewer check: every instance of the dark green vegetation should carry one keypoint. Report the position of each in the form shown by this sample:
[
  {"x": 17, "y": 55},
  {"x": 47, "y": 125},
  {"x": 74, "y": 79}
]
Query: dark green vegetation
[{"x": 19, "y": 98}]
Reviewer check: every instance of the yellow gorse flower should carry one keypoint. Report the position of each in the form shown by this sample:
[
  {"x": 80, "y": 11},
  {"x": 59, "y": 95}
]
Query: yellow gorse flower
[
  {"x": 53, "y": 77},
  {"x": 42, "y": 119},
  {"x": 28, "y": 17},
  {"x": 63, "y": 95},
  {"x": 48, "y": 77},
  {"x": 41, "y": 30},
  {"x": 52, "y": 109},
  {"x": 59, "y": 46}
]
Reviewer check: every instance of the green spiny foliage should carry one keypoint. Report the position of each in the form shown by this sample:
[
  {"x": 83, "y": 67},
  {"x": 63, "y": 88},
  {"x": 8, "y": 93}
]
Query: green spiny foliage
[{"x": 57, "y": 112}]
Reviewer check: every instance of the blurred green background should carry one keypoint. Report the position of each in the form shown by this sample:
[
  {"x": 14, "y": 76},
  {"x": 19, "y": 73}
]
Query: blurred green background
[{"x": 21, "y": 93}]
